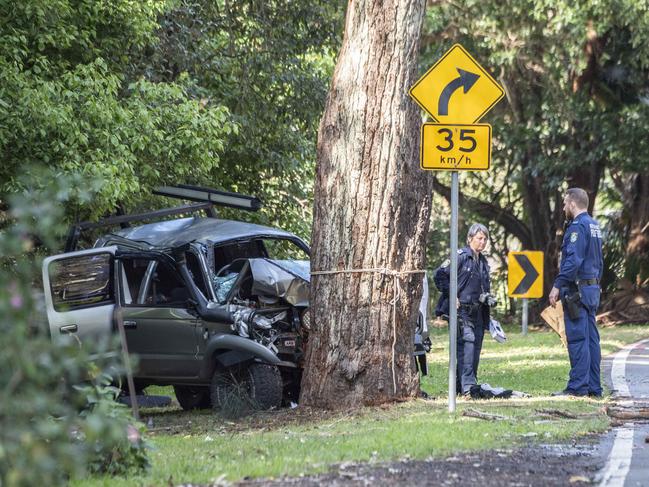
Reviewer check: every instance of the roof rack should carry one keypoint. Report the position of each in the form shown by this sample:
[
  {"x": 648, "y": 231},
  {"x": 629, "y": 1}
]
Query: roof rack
[
  {"x": 206, "y": 198},
  {"x": 75, "y": 229},
  {"x": 202, "y": 194}
]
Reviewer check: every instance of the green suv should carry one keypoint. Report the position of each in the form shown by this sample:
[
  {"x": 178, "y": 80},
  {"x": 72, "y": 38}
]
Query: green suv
[{"x": 207, "y": 304}]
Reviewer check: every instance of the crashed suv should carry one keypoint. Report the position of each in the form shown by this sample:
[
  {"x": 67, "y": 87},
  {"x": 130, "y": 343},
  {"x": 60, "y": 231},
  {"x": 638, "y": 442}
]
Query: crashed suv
[{"x": 206, "y": 304}]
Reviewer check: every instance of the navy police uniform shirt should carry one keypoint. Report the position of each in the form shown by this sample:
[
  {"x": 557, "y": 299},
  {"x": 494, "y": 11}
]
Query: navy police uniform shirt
[
  {"x": 581, "y": 252},
  {"x": 472, "y": 279}
]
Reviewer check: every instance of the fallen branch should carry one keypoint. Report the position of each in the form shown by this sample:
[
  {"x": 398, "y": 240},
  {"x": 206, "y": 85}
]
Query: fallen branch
[
  {"x": 627, "y": 413},
  {"x": 565, "y": 414},
  {"x": 473, "y": 413}
]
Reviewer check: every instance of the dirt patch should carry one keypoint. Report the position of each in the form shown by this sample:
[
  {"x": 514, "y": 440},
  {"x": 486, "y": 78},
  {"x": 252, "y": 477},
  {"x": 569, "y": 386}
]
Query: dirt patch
[
  {"x": 170, "y": 421},
  {"x": 627, "y": 304},
  {"x": 543, "y": 465}
]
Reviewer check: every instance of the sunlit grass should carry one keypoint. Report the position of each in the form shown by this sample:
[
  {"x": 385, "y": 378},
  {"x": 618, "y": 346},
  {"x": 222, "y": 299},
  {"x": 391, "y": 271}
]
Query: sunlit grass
[
  {"x": 209, "y": 448},
  {"x": 536, "y": 364}
]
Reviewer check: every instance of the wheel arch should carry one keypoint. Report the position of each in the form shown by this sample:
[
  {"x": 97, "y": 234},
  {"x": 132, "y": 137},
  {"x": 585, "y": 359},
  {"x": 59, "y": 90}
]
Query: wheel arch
[{"x": 229, "y": 350}]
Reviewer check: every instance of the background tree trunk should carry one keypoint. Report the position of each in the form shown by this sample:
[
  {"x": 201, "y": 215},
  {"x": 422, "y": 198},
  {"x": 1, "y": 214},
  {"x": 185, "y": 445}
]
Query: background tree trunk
[
  {"x": 634, "y": 191},
  {"x": 371, "y": 210}
]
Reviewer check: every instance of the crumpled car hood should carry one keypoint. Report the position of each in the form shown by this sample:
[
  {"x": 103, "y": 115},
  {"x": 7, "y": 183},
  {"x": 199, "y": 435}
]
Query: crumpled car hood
[{"x": 286, "y": 279}]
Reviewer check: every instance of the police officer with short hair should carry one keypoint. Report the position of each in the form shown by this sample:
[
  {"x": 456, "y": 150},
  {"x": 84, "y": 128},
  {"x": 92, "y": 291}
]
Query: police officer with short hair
[
  {"x": 474, "y": 300},
  {"x": 577, "y": 285}
]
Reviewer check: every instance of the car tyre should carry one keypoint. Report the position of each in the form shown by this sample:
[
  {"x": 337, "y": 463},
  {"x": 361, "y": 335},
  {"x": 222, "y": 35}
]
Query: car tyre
[
  {"x": 245, "y": 388},
  {"x": 190, "y": 397}
]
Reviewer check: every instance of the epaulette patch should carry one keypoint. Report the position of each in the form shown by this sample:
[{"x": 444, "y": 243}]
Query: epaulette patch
[
  {"x": 573, "y": 237},
  {"x": 446, "y": 263}
]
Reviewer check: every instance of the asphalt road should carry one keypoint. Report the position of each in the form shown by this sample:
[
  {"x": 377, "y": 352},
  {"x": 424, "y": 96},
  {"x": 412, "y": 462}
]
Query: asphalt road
[{"x": 626, "y": 447}]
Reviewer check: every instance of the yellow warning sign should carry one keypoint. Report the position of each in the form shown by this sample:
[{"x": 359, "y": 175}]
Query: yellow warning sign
[
  {"x": 457, "y": 89},
  {"x": 525, "y": 274},
  {"x": 455, "y": 147}
]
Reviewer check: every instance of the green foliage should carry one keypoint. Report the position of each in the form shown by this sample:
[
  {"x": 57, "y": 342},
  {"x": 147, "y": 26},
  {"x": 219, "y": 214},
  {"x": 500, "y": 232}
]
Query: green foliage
[
  {"x": 67, "y": 103},
  {"x": 50, "y": 429},
  {"x": 137, "y": 94},
  {"x": 86, "y": 123},
  {"x": 270, "y": 63},
  {"x": 51, "y": 37},
  {"x": 560, "y": 112},
  {"x": 117, "y": 446},
  {"x": 575, "y": 76}
]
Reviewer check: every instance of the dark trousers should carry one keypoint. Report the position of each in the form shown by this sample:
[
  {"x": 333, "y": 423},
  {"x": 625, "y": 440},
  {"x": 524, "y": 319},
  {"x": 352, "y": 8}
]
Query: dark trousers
[
  {"x": 583, "y": 345},
  {"x": 469, "y": 345}
]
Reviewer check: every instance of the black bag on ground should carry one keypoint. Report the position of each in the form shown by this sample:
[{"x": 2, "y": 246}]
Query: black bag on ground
[{"x": 485, "y": 391}]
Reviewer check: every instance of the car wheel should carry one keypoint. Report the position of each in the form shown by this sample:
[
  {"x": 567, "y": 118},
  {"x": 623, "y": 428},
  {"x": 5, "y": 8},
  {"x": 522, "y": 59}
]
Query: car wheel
[
  {"x": 190, "y": 397},
  {"x": 245, "y": 388}
]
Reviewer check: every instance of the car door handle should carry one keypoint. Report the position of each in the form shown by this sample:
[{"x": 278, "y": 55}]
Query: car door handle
[
  {"x": 68, "y": 329},
  {"x": 130, "y": 324}
]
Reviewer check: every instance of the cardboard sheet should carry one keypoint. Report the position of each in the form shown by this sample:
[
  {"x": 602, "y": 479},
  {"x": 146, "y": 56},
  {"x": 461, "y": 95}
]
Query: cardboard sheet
[{"x": 554, "y": 318}]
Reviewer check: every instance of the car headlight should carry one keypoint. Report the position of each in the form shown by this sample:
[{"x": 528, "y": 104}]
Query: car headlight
[{"x": 305, "y": 318}]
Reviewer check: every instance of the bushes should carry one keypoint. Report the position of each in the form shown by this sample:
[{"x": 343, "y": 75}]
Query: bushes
[{"x": 58, "y": 419}]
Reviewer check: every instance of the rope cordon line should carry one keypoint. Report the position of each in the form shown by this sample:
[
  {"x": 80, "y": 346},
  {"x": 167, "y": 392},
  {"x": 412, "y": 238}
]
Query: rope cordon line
[{"x": 396, "y": 294}]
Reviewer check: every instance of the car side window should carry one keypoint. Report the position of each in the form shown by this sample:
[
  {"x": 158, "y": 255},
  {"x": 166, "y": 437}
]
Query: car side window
[
  {"x": 166, "y": 288},
  {"x": 194, "y": 267},
  {"x": 133, "y": 273},
  {"x": 283, "y": 249},
  {"x": 225, "y": 254},
  {"x": 154, "y": 283},
  {"x": 81, "y": 281}
]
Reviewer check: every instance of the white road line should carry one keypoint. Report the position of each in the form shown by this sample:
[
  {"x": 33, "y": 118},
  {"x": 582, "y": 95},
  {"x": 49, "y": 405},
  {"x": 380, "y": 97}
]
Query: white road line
[
  {"x": 618, "y": 375},
  {"x": 619, "y": 460}
]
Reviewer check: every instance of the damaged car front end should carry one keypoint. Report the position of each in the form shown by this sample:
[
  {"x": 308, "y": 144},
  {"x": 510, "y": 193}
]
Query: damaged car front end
[{"x": 216, "y": 308}]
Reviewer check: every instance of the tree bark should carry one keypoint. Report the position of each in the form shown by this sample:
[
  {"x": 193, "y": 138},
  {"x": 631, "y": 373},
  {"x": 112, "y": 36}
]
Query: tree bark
[
  {"x": 371, "y": 211},
  {"x": 634, "y": 189}
]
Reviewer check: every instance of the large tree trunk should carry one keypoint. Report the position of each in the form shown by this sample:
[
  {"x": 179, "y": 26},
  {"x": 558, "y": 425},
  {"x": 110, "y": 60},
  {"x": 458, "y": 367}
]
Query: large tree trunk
[{"x": 371, "y": 211}]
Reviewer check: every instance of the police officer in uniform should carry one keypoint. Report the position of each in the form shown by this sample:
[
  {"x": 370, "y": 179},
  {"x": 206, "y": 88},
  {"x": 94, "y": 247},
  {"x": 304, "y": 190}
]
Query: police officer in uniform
[
  {"x": 474, "y": 300},
  {"x": 577, "y": 285}
]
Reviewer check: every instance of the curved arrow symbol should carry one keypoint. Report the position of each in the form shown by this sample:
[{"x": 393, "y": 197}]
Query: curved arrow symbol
[
  {"x": 466, "y": 80},
  {"x": 530, "y": 274}
]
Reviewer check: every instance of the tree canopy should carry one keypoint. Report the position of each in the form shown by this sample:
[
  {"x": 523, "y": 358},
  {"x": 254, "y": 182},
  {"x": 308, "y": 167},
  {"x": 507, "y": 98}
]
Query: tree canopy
[
  {"x": 137, "y": 94},
  {"x": 575, "y": 76}
]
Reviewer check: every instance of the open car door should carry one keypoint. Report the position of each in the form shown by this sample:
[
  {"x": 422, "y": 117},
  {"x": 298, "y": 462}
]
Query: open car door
[{"x": 80, "y": 296}]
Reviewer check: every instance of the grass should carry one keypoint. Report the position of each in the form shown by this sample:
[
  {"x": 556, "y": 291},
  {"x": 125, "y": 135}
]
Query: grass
[
  {"x": 536, "y": 363},
  {"x": 199, "y": 447}
]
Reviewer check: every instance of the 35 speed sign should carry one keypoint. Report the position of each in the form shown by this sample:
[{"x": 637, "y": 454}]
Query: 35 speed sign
[{"x": 456, "y": 147}]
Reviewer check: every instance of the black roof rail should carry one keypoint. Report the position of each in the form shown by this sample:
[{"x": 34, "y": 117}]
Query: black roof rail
[
  {"x": 75, "y": 229},
  {"x": 205, "y": 195},
  {"x": 206, "y": 198}
]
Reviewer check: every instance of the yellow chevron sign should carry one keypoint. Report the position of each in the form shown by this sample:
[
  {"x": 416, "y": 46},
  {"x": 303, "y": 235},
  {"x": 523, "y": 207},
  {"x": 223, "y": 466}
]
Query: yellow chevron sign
[{"x": 525, "y": 274}]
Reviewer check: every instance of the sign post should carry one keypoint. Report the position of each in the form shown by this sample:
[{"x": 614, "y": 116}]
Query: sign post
[
  {"x": 456, "y": 92},
  {"x": 452, "y": 295},
  {"x": 525, "y": 279},
  {"x": 525, "y": 310}
]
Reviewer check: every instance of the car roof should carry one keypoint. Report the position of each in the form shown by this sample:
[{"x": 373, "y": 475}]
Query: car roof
[{"x": 174, "y": 233}]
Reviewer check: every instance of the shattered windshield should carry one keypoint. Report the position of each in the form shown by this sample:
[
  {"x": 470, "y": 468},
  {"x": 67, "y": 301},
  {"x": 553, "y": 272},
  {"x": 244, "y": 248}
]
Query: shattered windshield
[{"x": 223, "y": 284}]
